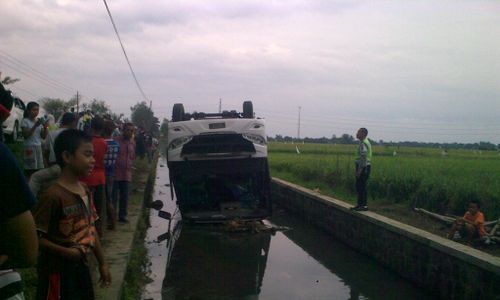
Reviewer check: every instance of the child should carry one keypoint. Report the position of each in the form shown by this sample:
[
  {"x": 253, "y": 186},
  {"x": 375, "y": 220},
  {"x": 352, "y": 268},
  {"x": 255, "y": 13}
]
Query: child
[
  {"x": 34, "y": 130},
  {"x": 65, "y": 220},
  {"x": 109, "y": 164},
  {"x": 471, "y": 226},
  {"x": 97, "y": 178},
  {"x": 123, "y": 171}
]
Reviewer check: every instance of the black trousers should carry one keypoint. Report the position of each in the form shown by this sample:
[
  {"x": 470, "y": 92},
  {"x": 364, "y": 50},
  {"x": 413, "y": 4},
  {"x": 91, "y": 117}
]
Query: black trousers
[
  {"x": 361, "y": 183},
  {"x": 99, "y": 204},
  {"x": 71, "y": 282}
]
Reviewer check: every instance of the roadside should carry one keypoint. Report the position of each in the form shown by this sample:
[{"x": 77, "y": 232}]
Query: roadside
[{"x": 124, "y": 248}]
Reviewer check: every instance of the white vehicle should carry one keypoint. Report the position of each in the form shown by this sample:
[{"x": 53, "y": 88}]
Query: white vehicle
[
  {"x": 218, "y": 164},
  {"x": 12, "y": 126}
]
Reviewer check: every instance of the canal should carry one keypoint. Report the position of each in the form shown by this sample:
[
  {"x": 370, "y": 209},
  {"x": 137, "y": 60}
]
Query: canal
[{"x": 207, "y": 262}]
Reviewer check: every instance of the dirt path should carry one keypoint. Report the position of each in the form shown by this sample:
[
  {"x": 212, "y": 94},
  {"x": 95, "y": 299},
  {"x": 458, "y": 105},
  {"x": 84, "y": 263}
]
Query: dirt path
[{"x": 118, "y": 244}]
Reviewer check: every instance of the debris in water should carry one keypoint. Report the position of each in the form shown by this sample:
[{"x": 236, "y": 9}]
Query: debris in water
[{"x": 237, "y": 225}]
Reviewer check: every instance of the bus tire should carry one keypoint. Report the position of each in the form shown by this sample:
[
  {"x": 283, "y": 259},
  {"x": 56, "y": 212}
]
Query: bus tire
[{"x": 178, "y": 112}]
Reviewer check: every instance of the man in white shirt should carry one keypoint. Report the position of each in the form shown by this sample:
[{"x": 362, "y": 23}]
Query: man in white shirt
[{"x": 44, "y": 177}]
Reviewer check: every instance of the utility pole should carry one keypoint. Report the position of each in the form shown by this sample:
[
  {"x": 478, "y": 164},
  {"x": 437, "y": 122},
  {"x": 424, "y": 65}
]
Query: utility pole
[
  {"x": 298, "y": 127},
  {"x": 220, "y": 105},
  {"x": 150, "y": 105},
  {"x": 77, "y": 103}
]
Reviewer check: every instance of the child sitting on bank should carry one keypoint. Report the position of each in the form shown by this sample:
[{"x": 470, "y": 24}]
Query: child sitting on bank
[
  {"x": 65, "y": 219},
  {"x": 471, "y": 225}
]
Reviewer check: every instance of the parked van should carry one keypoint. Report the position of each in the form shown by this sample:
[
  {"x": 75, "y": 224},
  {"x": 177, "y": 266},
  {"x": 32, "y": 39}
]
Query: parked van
[{"x": 218, "y": 164}]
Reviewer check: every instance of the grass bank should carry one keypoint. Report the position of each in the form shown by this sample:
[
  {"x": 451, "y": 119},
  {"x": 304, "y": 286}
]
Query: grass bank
[
  {"x": 136, "y": 276},
  {"x": 427, "y": 177}
]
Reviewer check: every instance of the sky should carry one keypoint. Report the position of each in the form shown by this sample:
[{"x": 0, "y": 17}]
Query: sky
[{"x": 407, "y": 70}]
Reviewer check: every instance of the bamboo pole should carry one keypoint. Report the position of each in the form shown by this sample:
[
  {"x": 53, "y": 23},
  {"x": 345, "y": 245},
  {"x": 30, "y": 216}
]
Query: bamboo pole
[{"x": 444, "y": 219}]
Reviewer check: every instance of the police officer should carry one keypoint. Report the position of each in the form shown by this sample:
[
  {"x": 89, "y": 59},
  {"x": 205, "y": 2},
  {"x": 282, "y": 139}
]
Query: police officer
[{"x": 363, "y": 168}]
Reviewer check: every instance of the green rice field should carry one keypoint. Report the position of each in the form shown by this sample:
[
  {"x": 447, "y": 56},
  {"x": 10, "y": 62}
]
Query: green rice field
[{"x": 441, "y": 181}]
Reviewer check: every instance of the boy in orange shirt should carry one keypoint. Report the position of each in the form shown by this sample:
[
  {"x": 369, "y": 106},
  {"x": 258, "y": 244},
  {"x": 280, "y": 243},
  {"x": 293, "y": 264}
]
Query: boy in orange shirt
[
  {"x": 471, "y": 225},
  {"x": 65, "y": 218}
]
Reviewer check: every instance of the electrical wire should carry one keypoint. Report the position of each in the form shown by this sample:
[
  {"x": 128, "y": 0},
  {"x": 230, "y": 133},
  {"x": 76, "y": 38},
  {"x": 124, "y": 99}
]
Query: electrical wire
[
  {"x": 27, "y": 92},
  {"x": 394, "y": 130},
  {"x": 44, "y": 76},
  {"x": 393, "y": 125},
  {"x": 356, "y": 121},
  {"x": 124, "y": 52},
  {"x": 34, "y": 77}
]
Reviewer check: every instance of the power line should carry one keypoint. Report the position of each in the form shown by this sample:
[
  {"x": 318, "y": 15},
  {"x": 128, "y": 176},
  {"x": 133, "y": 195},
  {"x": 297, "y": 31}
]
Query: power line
[
  {"x": 124, "y": 52},
  {"x": 35, "y": 77},
  {"x": 27, "y": 92},
  {"x": 321, "y": 125},
  {"x": 357, "y": 121},
  {"x": 393, "y": 125},
  {"x": 47, "y": 83},
  {"x": 17, "y": 65},
  {"x": 21, "y": 64}
]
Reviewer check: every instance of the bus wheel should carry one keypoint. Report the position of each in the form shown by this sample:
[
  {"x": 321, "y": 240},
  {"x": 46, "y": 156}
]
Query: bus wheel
[
  {"x": 247, "y": 110},
  {"x": 178, "y": 112}
]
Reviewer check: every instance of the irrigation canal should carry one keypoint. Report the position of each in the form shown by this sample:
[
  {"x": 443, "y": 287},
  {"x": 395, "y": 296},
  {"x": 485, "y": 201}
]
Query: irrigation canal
[{"x": 204, "y": 262}]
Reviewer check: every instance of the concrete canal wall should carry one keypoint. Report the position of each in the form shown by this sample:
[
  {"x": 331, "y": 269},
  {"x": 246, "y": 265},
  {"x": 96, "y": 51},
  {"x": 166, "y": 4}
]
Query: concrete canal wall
[{"x": 445, "y": 268}]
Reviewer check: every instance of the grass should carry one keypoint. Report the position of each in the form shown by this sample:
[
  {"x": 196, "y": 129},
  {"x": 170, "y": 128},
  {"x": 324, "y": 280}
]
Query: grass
[
  {"x": 425, "y": 177},
  {"x": 136, "y": 276}
]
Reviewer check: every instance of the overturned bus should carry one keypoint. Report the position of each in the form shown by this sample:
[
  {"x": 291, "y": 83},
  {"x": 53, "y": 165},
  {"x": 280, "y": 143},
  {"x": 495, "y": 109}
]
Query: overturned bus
[{"x": 218, "y": 165}]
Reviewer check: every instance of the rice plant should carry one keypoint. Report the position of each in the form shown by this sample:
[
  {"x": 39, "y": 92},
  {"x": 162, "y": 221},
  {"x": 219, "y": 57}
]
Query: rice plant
[{"x": 426, "y": 177}]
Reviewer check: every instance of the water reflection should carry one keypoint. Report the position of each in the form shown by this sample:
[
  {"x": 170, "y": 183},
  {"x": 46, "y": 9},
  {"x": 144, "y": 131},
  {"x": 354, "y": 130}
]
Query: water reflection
[
  {"x": 354, "y": 276},
  {"x": 211, "y": 264},
  {"x": 203, "y": 262},
  {"x": 302, "y": 263}
]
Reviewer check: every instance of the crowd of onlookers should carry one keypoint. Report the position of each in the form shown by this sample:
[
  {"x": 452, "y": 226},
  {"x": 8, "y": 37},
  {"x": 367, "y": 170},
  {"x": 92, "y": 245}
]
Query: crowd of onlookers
[{"x": 76, "y": 178}]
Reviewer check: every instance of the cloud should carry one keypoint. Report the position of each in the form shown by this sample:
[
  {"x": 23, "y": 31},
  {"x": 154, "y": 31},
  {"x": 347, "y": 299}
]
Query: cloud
[{"x": 385, "y": 63}]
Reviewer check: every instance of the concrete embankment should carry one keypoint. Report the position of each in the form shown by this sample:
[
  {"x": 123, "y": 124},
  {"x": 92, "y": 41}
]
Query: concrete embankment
[{"x": 445, "y": 268}]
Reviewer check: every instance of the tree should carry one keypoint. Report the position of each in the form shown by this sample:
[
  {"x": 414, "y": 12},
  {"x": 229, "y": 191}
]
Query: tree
[
  {"x": 164, "y": 127},
  {"x": 72, "y": 101},
  {"x": 9, "y": 80},
  {"x": 117, "y": 118},
  {"x": 347, "y": 139},
  {"x": 99, "y": 107},
  {"x": 54, "y": 106},
  {"x": 143, "y": 116}
]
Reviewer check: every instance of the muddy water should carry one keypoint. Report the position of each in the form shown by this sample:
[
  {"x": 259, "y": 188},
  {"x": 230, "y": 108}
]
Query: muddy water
[{"x": 206, "y": 262}]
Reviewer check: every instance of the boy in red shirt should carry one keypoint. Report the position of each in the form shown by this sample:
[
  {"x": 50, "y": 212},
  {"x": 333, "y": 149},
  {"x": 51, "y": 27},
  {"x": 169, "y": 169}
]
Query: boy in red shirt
[
  {"x": 96, "y": 180},
  {"x": 471, "y": 225},
  {"x": 65, "y": 219}
]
